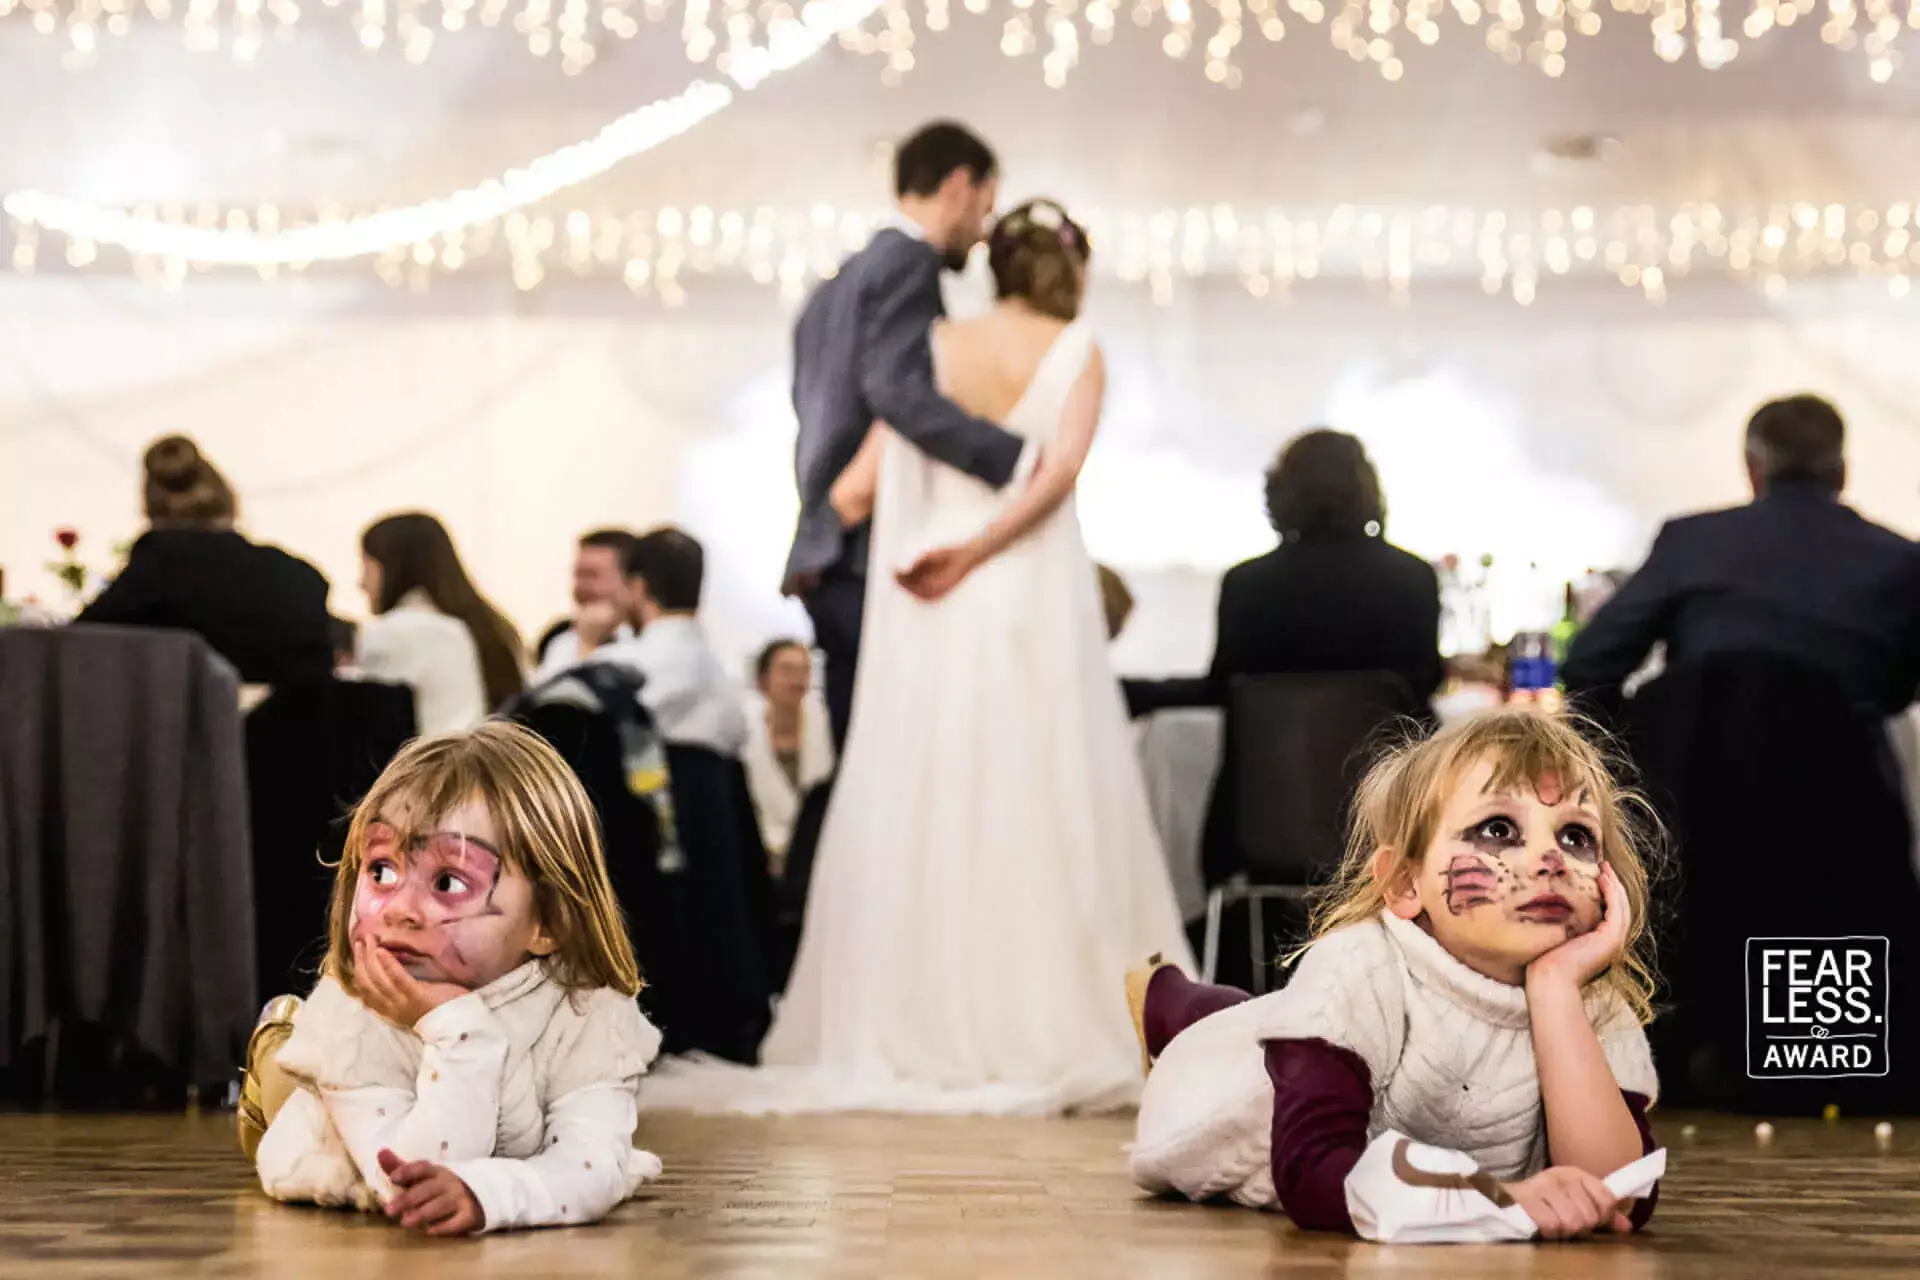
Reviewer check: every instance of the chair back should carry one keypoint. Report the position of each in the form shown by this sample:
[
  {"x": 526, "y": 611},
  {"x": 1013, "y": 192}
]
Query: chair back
[
  {"x": 1787, "y": 820},
  {"x": 313, "y": 751},
  {"x": 1299, "y": 747},
  {"x": 589, "y": 741},
  {"x": 790, "y": 893},
  {"x": 728, "y": 991}
]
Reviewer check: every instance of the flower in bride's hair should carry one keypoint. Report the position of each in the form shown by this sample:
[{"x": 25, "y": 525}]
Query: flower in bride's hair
[{"x": 1048, "y": 216}]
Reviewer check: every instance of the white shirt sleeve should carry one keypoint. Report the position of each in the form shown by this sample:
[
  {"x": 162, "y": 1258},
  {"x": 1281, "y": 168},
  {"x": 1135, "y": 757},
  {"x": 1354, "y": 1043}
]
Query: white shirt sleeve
[
  {"x": 453, "y": 1112},
  {"x": 579, "y": 1176},
  {"x": 382, "y": 655},
  {"x": 563, "y": 654},
  {"x": 1405, "y": 1192}
]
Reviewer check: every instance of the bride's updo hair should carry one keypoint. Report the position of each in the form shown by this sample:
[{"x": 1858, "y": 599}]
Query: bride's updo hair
[
  {"x": 182, "y": 487},
  {"x": 1040, "y": 255}
]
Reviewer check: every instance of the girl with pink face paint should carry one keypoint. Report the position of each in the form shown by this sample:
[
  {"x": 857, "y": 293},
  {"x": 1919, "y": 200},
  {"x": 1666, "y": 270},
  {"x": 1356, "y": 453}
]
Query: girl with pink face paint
[{"x": 471, "y": 1056}]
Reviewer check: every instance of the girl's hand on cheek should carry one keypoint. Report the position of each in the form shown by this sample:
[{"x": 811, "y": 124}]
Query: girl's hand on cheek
[
  {"x": 1578, "y": 961},
  {"x": 389, "y": 990}
]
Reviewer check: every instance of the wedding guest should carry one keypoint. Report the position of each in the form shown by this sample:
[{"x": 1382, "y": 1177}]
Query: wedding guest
[
  {"x": 261, "y": 609},
  {"x": 789, "y": 744},
  {"x": 432, "y": 629},
  {"x": 687, "y": 690},
  {"x": 599, "y": 591},
  {"x": 1795, "y": 573},
  {"x": 1335, "y": 595}
]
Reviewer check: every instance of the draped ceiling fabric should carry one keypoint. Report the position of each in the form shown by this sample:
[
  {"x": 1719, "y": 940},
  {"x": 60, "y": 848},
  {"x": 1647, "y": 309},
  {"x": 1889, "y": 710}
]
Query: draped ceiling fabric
[{"x": 1560, "y": 434}]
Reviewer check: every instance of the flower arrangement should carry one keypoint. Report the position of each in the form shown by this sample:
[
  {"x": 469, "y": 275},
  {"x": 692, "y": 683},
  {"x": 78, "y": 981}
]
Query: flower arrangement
[{"x": 69, "y": 568}]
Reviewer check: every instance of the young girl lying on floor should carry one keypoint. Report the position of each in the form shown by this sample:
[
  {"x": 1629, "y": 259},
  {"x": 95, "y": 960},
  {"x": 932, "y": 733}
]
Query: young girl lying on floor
[
  {"x": 471, "y": 1056},
  {"x": 1477, "y": 982}
]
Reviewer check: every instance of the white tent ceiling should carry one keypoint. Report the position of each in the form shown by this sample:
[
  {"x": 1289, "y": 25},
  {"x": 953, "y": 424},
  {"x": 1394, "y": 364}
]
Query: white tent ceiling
[{"x": 316, "y": 119}]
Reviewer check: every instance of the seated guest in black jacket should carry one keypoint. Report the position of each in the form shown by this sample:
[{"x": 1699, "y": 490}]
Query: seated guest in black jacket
[
  {"x": 261, "y": 609},
  {"x": 1335, "y": 595},
  {"x": 1793, "y": 573}
]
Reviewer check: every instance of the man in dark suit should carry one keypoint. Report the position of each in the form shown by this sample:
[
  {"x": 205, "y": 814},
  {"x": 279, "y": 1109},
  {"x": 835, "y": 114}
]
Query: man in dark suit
[
  {"x": 1793, "y": 573},
  {"x": 861, "y": 355}
]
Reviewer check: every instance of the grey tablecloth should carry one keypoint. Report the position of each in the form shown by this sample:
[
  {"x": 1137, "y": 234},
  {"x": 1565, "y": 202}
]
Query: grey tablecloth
[
  {"x": 126, "y": 893},
  {"x": 1179, "y": 754}
]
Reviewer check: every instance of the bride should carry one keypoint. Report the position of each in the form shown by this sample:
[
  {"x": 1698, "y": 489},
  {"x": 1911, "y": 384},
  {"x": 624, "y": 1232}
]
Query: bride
[{"x": 988, "y": 869}]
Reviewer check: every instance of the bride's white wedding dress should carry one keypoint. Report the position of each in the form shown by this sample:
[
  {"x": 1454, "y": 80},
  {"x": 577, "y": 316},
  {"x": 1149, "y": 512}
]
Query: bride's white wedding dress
[{"x": 989, "y": 867}]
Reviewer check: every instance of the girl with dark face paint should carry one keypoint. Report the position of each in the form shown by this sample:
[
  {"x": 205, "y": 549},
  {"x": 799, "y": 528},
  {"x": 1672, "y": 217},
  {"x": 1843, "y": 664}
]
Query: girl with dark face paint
[{"x": 1478, "y": 981}]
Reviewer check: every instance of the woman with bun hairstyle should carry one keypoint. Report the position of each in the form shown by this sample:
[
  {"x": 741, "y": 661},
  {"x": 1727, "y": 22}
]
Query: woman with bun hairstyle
[{"x": 261, "y": 609}]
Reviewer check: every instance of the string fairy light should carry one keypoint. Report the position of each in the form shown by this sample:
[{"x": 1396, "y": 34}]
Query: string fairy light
[
  {"x": 1270, "y": 252},
  {"x": 235, "y": 242},
  {"x": 728, "y": 34}
]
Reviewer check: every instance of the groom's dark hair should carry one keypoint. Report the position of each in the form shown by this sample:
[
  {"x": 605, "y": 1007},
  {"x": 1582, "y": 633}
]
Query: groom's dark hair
[{"x": 930, "y": 156}]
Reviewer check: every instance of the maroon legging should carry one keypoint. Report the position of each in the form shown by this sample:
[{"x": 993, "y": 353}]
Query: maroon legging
[{"x": 1175, "y": 1002}]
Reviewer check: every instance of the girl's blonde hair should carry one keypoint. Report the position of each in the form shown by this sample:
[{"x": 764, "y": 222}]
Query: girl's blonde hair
[
  {"x": 1398, "y": 807},
  {"x": 548, "y": 833}
]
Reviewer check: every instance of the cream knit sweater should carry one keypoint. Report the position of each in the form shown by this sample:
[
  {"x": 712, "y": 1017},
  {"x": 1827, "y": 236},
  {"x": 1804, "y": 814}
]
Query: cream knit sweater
[
  {"x": 1449, "y": 1052},
  {"x": 527, "y": 1092}
]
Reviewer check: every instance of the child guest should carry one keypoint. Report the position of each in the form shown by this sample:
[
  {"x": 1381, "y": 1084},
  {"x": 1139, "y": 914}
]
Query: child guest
[
  {"x": 471, "y": 1056},
  {"x": 1477, "y": 981}
]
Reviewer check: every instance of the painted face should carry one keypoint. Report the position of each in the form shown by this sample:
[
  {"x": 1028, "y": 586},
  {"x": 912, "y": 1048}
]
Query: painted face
[
  {"x": 443, "y": 901},
  {"x": 1508, "y": 876}
]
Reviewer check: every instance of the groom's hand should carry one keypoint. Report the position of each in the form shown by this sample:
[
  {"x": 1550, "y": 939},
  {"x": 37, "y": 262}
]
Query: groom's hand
[
  {"x": 938, "y": 572},
  {"x": 851, "y": 501}
]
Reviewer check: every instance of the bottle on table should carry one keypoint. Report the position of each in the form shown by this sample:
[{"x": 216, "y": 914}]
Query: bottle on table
[{"x": 1531, "y": 669}]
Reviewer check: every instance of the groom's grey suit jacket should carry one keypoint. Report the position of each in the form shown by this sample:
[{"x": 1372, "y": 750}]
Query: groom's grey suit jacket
[{"x": 861, "y": 355}]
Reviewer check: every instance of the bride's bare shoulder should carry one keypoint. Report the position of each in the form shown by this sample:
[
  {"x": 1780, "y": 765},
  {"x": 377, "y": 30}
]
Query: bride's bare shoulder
[{"x": 968, "y": 332}]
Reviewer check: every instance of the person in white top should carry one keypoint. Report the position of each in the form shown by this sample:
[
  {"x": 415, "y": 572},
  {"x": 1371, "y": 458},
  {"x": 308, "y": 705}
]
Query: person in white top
[
  {"x": 471, "y": 1058},
  {"x": 599, "y": 596},
  {"x": 789, "y": 744},
  {"x": 1478, "y": 981},
  {"x": 692, "y": 699},
  {"x": 432, "y": 630}
]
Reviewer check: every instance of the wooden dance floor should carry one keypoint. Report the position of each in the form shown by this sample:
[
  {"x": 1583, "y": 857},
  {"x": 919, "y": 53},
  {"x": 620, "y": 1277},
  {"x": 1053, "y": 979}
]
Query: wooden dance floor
[{"x": 851, "y": 1197}]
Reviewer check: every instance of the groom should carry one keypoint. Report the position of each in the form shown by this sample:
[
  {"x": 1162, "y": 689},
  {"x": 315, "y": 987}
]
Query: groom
[{"x": 861, "y": 356}]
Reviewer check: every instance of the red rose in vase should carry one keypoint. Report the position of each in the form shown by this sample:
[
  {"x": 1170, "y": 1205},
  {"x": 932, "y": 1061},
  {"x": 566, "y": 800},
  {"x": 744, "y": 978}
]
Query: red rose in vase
[{"x": 72, "y": 574}]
